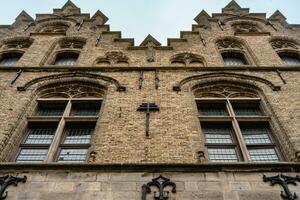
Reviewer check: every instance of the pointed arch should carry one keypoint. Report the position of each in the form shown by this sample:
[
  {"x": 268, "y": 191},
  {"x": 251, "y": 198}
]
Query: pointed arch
[
  {"x": 224, "y": 76},
  {"x": 74, "y": 76}
]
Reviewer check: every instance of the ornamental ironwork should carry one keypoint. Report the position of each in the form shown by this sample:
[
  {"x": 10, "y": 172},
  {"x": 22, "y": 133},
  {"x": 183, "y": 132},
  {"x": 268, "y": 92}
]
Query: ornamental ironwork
[
  {"x": 284, "y": 181},
  {"x": 160, "y": 183},
  {"x": 8, "y": 180}
]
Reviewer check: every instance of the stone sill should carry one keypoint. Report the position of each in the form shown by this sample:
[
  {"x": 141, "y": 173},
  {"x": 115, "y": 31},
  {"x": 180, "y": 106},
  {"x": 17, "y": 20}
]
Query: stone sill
[
  {"x": 154, "y": 168},
  {"x": 143, "y": 68}
]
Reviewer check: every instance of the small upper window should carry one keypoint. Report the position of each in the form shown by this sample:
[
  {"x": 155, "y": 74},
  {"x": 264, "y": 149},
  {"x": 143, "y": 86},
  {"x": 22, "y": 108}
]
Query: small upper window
[
  {"x": 68, "y": 58},
  {"x": 290, "y": 58},
  {"x": 10, "y": 59},
  {"x": 234, "y": 58}
]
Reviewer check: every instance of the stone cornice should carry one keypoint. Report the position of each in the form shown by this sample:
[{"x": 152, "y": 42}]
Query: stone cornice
[
  {"x": 209, "y": 167},
  {"x": 148, "y": 68}
]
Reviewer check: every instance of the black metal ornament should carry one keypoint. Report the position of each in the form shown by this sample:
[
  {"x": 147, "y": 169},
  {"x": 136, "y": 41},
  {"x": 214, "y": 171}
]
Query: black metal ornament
[
  {"x": 8, "y": 180},
  {"x": 284, "y": 181},
  {"x": 160, "y": 183}
]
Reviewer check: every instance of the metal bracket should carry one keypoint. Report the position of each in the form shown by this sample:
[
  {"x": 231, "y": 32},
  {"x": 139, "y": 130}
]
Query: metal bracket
[
  {"x": 17, "y": 76},
  {"x": 156, "y": 80},
  {"x": 98, "y": 40},
  {"x": 148, "y": 107},
  {"x": 160, "y": 183},
  {"x": 8, "y": 180},
  {"x": 284, "y": 181},
  {"x": 202, "y": 40},
  {"x": 221, "y": 24},
  {"x": 141, "y": 80},
  {"x": 80, "y": 25}
]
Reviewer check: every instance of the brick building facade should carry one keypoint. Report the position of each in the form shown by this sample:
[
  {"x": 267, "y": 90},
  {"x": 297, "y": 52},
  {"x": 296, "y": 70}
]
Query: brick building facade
[{"x": 87, "y": 114}]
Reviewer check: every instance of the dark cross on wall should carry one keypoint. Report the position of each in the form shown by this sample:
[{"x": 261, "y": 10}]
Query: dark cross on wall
[{"x": 148, "y": 107}]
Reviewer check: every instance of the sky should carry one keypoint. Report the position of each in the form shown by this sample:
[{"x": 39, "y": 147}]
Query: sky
[{"x": 137, "y": 18}]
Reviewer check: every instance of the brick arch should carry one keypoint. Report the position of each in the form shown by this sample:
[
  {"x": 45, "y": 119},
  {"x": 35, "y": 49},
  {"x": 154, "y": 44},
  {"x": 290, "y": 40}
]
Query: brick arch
[
  {"x": 50, "y": 54},
  {"x": 247, "y": 52},
  {"x": 104, "y": 81},
  {"x": 191, "y": 81},
  {"x": 53, "y": 22},
  {"x": 258, "y": 25},
  {"x": 285, "y": 38},
  {"x": 16, "y": 39},
  {"x": 248, "y": 18}
]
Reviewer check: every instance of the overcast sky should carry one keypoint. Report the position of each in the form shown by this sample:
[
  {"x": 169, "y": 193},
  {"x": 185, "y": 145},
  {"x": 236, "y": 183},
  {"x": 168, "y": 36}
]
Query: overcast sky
[{"x": 137, "y": 18}]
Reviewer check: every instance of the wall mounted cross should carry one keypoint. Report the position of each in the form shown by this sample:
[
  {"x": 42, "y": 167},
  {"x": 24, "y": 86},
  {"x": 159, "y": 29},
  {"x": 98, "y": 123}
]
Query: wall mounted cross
[
  {"x": 284, "y": 181},
  {"x": 148, "y": 107}
]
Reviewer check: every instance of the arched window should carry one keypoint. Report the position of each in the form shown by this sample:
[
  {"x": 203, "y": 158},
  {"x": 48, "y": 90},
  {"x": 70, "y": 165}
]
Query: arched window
[
  {"x": 10, "y": 59},
  {"x": 66, "y": 58},
  {"x": 235, "y": 125},
  {"x": 234, "y": 58},
  {"x": 233, "y": 52},
  {"x": 290, "y": 58},
  {"x": 287, "y": 50},
  {"x": 61, "y": 128}
]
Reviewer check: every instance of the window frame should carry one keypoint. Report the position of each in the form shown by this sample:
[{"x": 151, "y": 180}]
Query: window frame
[
  {"x": 59, "y": 135},
  {"x": 235, "y": 120}
]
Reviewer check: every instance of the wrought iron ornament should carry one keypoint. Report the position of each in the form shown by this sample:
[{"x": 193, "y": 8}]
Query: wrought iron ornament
[
  {"x": 284, "y": 181},
  {"x": 161, "y": 183},
  {"x": 8, "y": 180}
]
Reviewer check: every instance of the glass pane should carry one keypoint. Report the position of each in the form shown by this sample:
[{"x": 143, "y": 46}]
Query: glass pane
[
  {"x": 266, "y": 155},
  {"x": 78, "y": 136},
  {"x": 217, "y": 135},
  {"x": 255, "y": 134},
  {"x": 72, "y": 155},
  {"x": 40, "y": 136},
  {"x": 85, "y": 109},
  {"x": 234, "y": 61},
  {"x": 290, "y": 58},
  {"x": 65, "y": 61},
  {"x": 246, "y": 109},
  {"x": 10, "y": 61},
  {"x": 222, "y": 155},
  {"x": 32, "y": 155},
  {"x": 212, "y": 109},
  {"x": 51, "y": 109}
]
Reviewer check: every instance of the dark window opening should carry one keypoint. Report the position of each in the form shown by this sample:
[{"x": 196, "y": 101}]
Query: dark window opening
[
  {"x": 290, "y": 58},
  {"x": 10, "y": 59},
  {"x": 68, "y": 58},
  {"x": 234, "y": 58}
]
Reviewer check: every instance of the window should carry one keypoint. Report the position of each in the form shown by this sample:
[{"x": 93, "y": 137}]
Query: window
[
  {"x": 234, "y": 58},
  {"x": 68, "y": 58},
  {"x": 10, "y": 59},
  {"x": 234, "y": 126},
  {"x": 60, "y": 130},
  {"x": 290, "y": 58}
]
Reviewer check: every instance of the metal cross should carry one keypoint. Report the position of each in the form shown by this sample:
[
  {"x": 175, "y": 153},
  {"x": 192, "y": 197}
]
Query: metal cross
[
  {"x": 148, "y": 107},
  {"x": 284, "y": 181}
]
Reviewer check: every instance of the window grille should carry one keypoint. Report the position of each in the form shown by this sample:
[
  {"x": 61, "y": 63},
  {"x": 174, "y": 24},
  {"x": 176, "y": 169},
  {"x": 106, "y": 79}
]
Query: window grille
[
  {"x": 213, "y": 109},
  {"x": 78, "y": 136},
  {"x": 32, "y": 155},
  {"x": 263, "y": 155},
  {"x": 222, "y": 155},
  {"x": 49, "y": 109},
  {"x": 72, "y": 155},
  {"x": 40, "y": 136},
  {"x": 85, "y": 109},
  {"x": 246, "y": 109},
  {"x": 217, "y": 135}
]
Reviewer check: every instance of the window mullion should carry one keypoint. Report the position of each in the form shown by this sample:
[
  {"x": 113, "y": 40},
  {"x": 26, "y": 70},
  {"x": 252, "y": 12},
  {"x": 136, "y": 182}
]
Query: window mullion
[
  {"x": 238, "y": 133},
  {"x": 58, "y": 135}
]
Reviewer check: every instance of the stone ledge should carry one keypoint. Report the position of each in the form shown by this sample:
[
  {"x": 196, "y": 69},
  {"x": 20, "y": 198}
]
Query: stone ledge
[
  {"x": 208, "y": 167},
  {"x": 143, "y": 68}
]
